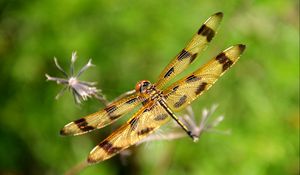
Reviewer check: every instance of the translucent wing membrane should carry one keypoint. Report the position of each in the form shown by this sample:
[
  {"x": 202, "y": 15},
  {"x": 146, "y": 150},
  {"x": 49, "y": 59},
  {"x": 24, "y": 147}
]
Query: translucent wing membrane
[
  {"x": 199, "y": 41},
  {"x": 103, "y": 117},
  {"x": 143, "y": 123},
  {"x": 183, "y": 92}
]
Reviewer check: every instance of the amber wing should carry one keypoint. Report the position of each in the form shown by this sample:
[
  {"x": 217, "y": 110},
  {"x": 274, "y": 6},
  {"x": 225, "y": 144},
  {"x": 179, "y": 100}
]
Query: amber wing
[
  {"x": 143, "y": 123},
  {"x": 199, "y": 42},
  {"x": 183, "y": 92},
  {"x": 103, "y": 117}
]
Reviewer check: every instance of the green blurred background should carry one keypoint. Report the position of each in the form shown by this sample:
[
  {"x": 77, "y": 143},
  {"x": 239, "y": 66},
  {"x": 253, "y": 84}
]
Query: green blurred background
[{"x": 134, "y": 40}]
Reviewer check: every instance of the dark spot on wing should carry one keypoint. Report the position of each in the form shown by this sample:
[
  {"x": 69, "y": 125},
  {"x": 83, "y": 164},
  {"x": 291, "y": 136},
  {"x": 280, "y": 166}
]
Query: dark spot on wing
[
  {"x": 87, "y": 128},
  {"x": 183, "y": 54},
  {"x": 161, "y": 117},
  {"x": 170, "y": 71},
  {"x": 227, "y": 65},
  {"x": 192, "y": 78},
  {"x": 81, "y": 120},
  {"x": 175, "y": 88},
  {"x": 131, "y": 100},
  {"x": 193, "y": 57},
  {"x": 108, "y": 147},
  {"x": 180, "y": 102},
  {"x": 133, "y": 123},
  {"x": 145, "y": 131},
  {"x": 200, "y": 88},
  {"x": 114, "y": 117},
  {"x": 224, "y": 60},
  {"x": 83, "y": 125},
  {"x": 111, "y": 109},
  {"x": 206, "y": 31}
]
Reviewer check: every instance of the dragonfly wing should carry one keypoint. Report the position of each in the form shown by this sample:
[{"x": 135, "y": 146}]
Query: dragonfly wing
[
  {"x": 143, "y": 123},
  {"x": 103, "y": 117},
  {"x": 199, "y": 42},
  {"x": 183, "y": 92}
]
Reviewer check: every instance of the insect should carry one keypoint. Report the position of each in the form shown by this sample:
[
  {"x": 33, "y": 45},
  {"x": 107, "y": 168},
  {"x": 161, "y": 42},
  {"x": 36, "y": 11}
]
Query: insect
[{"x": 158, "y": 103}]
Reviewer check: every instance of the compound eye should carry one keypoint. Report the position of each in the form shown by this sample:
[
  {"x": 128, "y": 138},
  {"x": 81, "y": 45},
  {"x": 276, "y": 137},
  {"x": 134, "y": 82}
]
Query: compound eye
[{"x": 142, "y": 86}]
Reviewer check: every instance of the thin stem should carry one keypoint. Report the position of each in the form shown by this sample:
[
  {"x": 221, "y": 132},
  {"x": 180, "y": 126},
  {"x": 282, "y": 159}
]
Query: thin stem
[
  {"x": 73, "y": 59},
  {"x": 59, "y": 68},
  {"x": 61, "y": 92},
  {"x": 58, "y": 80},
  {"x": 102, "y": 99},
  {"x": 85, "y": 67}
]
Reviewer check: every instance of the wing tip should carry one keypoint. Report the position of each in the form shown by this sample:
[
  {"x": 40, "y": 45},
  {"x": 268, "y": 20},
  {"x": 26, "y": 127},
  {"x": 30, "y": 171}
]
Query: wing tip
[
  {"x": 236, "y": 49},
  {"x": 63, "y": 132},
  {"x": 214, "y": 21},
  {"x": 91, "y": 160},
  {"x": 73, "y": 129},
  {"x": 95, "y": 156},
  {"x": 219, "y": 14},
  {"x": 242, "y": 47},
  {"x": 66, "y": 130}
]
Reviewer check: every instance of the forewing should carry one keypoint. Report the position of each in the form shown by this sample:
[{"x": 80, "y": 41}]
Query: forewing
[
  {"x": 183, "y": 92},
  {"x": 143, "y": 123},
  {"x": 199, "y": 41},
  {"x": 103, "y": 117}
]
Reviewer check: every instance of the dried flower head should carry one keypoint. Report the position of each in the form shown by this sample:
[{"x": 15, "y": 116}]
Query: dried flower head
[
  {"x": 197, "y": 128},
  {"x": 81, "y": 90}
]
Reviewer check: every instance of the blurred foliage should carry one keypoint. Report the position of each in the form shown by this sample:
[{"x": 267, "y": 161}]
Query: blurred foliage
[{"x": 134, "y": 40}]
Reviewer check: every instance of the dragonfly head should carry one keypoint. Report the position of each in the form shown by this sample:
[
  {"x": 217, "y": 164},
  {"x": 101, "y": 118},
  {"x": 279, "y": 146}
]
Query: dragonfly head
[{"x": 143, "y": 86}]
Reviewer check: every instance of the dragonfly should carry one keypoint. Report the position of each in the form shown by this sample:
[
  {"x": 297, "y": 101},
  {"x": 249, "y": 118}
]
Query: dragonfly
[{"x": 157, "y": 103}]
